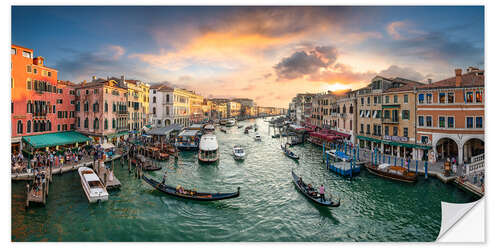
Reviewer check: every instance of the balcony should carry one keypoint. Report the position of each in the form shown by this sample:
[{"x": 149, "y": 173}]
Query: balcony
[{"x": 390, "y": 121}]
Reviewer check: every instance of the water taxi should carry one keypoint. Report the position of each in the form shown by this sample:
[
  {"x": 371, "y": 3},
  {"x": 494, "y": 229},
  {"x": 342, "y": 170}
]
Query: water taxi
[
  {"x": 257, "y": 137},
  {"x": 209, "y": 148},
  {"x": 230, "y": 122},
  {"x": 92, "y": 185},
  {"x": 209, "y": 128},
  {"x": 397, "y": 173},
  {"x": 238, "y": 152},
  {"x": 223, "y": 122}
]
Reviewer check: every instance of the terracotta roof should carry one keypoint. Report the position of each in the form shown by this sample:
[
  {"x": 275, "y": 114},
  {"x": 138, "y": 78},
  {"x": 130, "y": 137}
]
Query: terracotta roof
[
  {"x": 469, "y": 79},
  {"x": 161, "y": 87},
  {"x": 407, "y": 87}
]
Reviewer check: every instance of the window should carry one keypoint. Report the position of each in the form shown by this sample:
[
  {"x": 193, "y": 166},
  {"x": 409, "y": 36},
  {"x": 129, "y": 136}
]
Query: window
[
  {"x": 442, "y": 98},
  {"x": 368, "y": 101},
  {"x": 386, "y": 130},
  {"x": 470, "y": 122},
  {"x": 395, "y": 116},
  {"x": 420, "y": 98},
  {"x": 424, "y": 139},
  {"x": 405, "y": 132},
  {"x": 479, "y": 96},
  {"x": 27, "y": 54},
  {"x": 442, "y": 122},
  {"x": 395, "y": 131},
  {"x": 428, "y": 121},
  {"x": 13, "y": 51},
  {"x": 19, "y": 127},
  {"x": 351, "y": 109},
  {"x": 34, "y": 71},
  {"x": 49, "y": 74},
  {"x": 406, "y": 114},
  {"x": 405, "y": 99},
  {"x": 386, "y": 99},
  {"x": 367, "y": 129},
  {"x": 96, "y": 123},
  {"x": 106, "y": 124},
  {"x": 86, "y": 106},
  {"x": 479, "y": 122},
  {"x": 395, "y": 99},
  {"x": 86, "y": 123},
  {"x": 28, "y": 127},
  {"x": 154, "y": 111},
  {"x": 361, "y": 130},
  {"x": 87, "y": 92},
  {"x": 58, "y": 127},
  {"x": 429, "y": 98},
  {"x": 78, "y": 121},
  {"x": 105, "y": 106},
  {"x": 28, "y": 68},
  {"x": 451, "y": 97},
  {"x": 154, "y": 99},
  {"x": 451, "y": 122},
  {"x": 59, "y": 101},
  {"x": 469, "y": 98},
  {"x": 387, "y": 114}
]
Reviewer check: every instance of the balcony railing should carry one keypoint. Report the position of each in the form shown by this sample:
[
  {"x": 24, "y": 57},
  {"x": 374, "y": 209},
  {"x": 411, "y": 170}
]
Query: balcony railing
[{"x": 390, "y": 121}]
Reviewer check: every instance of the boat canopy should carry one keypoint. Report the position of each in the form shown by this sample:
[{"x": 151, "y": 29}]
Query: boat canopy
[
  {"x": 91, "y": 177},
  {"x": 165, "y": 131},
  {"x": 107, "y": 145},
  {"x": 189, "y": 133},
  {"x": 208, "y": 142}
]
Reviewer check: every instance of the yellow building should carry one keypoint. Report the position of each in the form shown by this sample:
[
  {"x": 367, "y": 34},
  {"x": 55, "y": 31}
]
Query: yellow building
[
  {"x": 138, "y": 104},
  {"x": 195, "y": 107}
]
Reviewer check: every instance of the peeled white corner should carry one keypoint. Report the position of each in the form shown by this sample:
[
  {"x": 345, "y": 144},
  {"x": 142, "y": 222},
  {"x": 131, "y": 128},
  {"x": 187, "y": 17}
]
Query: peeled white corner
[{"x": 472, "y": 229}]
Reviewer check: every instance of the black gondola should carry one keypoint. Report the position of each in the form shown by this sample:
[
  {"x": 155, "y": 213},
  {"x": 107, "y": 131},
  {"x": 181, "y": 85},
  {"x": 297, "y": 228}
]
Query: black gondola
[
  {"x": 189, "y": 194},
  {"x": 289, "y": 153},
  {"x": 276, "y": 136},
  {"x": 316, "y": 199}
]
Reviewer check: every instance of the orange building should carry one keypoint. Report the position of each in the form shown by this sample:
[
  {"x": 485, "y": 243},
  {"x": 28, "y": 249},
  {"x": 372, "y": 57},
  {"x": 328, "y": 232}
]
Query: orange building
[
  {"x": 450, "y": 117},
  {"x": 40, "y": 104}
]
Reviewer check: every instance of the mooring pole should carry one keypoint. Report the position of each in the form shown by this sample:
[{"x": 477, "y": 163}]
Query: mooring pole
[{"x": 426, "y": 169}]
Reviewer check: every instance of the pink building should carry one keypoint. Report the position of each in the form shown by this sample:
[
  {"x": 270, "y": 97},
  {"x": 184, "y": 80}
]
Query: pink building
[{"x": 101, "y": 108}]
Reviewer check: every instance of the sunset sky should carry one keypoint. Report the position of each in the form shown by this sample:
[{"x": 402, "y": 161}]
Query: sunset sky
[{"x": 265, "y": 53}]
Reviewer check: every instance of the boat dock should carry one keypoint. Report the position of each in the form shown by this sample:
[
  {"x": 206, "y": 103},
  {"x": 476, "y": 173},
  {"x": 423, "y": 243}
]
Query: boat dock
[
  {"x": 39, "y": 194},
  {"x": 340, "y": 163}
]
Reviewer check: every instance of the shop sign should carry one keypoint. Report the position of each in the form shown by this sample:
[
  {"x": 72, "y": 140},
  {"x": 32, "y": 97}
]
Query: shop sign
[{"x": 396, "y": 138}]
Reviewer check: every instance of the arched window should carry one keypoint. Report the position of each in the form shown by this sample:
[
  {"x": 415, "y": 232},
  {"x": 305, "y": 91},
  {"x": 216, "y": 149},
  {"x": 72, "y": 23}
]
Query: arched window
[
  {"x": 154, "y": 99},
  {"x": 86, "y": 123},
  {"x": 343, "y": 109},
  {"x": 96, "y": 123},
  {"x": 106, "y": 124},
  {"x": 114, "y": 123},
  {"x": 86, "y": 106},
  {"x": 28, "y": 107},
  {"x": 351, "y": 109},
  {"x": 19, "y": 127},
  {"x": 28, "y": 127},
  {"x": 49, "y": 124},
  {"x": 154, "y": 111},
  {"x": 35, "y": 126},
  {"x": 106, "y": 107}
]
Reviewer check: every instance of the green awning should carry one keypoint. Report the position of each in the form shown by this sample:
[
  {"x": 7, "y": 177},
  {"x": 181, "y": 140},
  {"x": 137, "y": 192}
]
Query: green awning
[
  {"x": 368, "y": 138},
  {"x": 55, "y": 139},
  {"x": 393, "y": 143},
  {"x": 117, "y": 134}
]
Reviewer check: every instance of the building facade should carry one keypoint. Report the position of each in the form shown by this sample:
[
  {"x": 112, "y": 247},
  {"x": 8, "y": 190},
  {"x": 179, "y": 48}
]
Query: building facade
[
  {"x": 450, "y": 117},
  {"x": 137, "y": 103},
  {"x": 102, "y": 109},
  {"x": 40, "y": 104}
]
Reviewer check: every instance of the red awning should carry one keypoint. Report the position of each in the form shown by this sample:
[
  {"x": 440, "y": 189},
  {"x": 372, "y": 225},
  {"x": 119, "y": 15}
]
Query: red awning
[{"x": 342, "y": 134}]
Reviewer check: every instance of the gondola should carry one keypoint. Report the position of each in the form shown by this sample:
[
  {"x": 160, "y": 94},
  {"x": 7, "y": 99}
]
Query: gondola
[
  {"x": 276, "y": 136},
  {"x": 289, "y": 153},
  {"x": 189, "y": 194},
  {"x": 315, "y": 199}
]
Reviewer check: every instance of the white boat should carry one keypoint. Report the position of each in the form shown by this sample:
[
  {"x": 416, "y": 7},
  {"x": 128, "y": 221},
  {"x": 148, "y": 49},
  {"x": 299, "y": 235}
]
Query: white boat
[
  {"x": 209, "y": 128},
  {"x": 209, "y": 148},
  {"x": 230, "y": 122},
  {"x": 257, "y": 137},
  {"x": 92, "y": 185},
  {"x": 238, "y": 152},
  {"x": 223, "y": 122}
]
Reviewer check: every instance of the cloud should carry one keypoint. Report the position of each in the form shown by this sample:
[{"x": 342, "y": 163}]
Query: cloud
[
  {"x": 393, "y": 29},
  {"x": 404, "y": 72},
  {"x": 342, "y": 73},
  {"x": 302, "y": 63},
  {"x": 116, "y": 51}
]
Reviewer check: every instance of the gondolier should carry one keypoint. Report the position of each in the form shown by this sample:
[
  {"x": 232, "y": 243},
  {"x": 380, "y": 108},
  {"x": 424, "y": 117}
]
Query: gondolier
[{"x": 322, "y": 192}]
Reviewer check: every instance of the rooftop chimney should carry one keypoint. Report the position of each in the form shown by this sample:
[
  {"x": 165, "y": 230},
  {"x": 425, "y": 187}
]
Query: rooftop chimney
[
  {"x": 458, "y": 77},
  {"x": 122, "y": 81},
  {"x": 429, "y": 81},
  {"x": 93, "y": 78}
]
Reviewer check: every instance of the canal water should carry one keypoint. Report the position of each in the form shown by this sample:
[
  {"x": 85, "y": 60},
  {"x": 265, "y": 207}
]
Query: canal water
[{"x": 268, "y": 209}]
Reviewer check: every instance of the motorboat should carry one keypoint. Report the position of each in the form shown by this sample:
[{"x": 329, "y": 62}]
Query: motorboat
[
  {"x": 238, "y": 152},
  {"x": 209, "y": 148},
  {"x": 92, "y": 185},
  {"x": 258, "y": 137},
  {"x": 388, "y": 171},
  {"x": 230, "y": 122}
]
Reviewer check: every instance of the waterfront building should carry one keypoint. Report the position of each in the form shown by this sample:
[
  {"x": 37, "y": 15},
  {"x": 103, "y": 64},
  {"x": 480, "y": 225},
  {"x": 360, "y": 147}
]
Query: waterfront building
[
  {"x": 399, "y": 119},
  {"x": 450, "y": 117},
  {"x": 101, "y": 108},
  {"x": 303, "y": 109},
  {"x": 246, "y": 106},
  {"x": 316, "y": 114},
  {"x": 233, "y": 109},
  {"x": 343, "y": 115},
  {"x": 195, "y": 107},
  {"x": 158, "y": 106},
  {"x": 137, "y": 103},
  {"x": 40, "y": 104}
]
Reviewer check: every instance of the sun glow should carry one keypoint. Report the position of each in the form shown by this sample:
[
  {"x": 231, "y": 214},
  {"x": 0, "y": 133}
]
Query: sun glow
[{"x": 335, "y": 87}]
